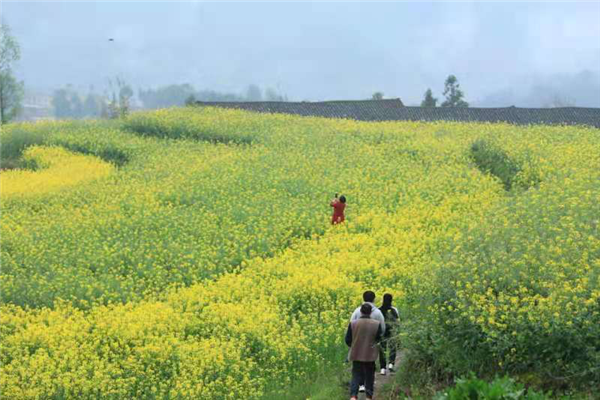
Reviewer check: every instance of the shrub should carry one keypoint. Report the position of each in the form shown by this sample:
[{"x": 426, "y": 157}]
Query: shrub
[
  {"x": 12, "y": 145},
  {"x": 491, "y": 159},
  {"x": 505, "y": 388}
]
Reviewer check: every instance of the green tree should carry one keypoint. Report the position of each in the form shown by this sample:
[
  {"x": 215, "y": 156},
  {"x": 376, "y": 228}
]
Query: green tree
[
  {"x": 62, "y": 104},
  {"x": 429, "y": 100},
  {"x": 377, "y": 96},
  {"x": 113, "y": 107},
  {"x": 272, "y": 95},
  {"x": 76, "y": 106},
  {"x": 11, "y": 90},
  {"x": 191, "y": 100},
  {"x": 91, "y": 106},
  {"x": 125, "y": 95},
  {"x": 253, "y": 93},
  {"x": 166, "y": 96},
  {"x": 121, "y": 94},
  {"x": 103, "y": 109},
  {"x": 454, "y": 95},
  {"x": 11, "y": 97}
]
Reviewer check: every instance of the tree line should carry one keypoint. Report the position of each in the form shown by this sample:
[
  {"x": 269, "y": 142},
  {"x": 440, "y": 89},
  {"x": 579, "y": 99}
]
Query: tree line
[
  {"x": 117, "y": 100},
  {"x": 452, "y": 91},
  {"x": 113, "y": 103},
  {"x": 178, "y": 95}
]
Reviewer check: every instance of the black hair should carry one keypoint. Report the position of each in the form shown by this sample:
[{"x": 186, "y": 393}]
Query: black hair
[
  {"x": 369, "y": 296},
  {"x": 387, "y": 303},
  {"x": 343, "y": 198},
  {"x": 366, "y": 309},
  {"x": 387, "y": 299}
]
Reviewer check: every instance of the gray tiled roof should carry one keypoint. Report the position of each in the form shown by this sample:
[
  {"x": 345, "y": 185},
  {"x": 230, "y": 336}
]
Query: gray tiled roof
[
  {"x": 393, "y": 110},
  {"x": 362, "y": 110}
]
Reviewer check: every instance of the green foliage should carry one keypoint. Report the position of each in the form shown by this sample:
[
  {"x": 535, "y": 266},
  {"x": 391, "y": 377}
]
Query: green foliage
[
  {"x": 491, "y": 159},
  {"x": 61, "y": 101},
  {"x": 11, "y": 96},
  {"x": 10, "y": 50},
  {"x": 377, "y": 96},
  {"x": 67, "y": 103},
  {"x": 166, "y": 96},
  {"x": 13, "y": 143},
  {"x": 92, "y": 105},
  {"x": 190, "y": 124},
  {"x": 253, "y": 93},
  {"x": 516, "y": 295},
  {"x": 190, "y": 100},
  {"x": 454, "y": 95},
  {"x": 330, "y": 383},
  {"x": 504, "y": 388},
  {"x": 186, "y": 94},
  {"x": 429, "y": 100},
  {"x": 11, "y": 90},
  {"x": 76, "y": 106}
]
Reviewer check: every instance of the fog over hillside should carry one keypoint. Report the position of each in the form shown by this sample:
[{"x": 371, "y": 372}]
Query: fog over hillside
[
  {"x": 581, "y": 89},
  {"x": 503, "y": 54}
]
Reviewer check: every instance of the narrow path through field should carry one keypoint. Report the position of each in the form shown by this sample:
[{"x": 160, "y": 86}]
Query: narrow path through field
[{"x": 382, "y": 380}]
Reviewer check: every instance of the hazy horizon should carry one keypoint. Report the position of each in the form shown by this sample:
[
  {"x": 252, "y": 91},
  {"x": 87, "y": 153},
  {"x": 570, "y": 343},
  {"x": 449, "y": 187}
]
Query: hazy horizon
[{"x": 503, "y": 54}]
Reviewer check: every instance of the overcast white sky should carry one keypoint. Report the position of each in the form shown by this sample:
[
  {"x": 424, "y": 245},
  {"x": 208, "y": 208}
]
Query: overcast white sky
[{"x": 501, "y": 52}]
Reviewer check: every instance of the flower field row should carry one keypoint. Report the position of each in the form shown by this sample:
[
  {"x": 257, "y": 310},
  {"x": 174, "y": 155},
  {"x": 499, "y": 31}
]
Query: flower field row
[
  {"x": 57, "y": 168},
  {"x": 205, "y": 268}
]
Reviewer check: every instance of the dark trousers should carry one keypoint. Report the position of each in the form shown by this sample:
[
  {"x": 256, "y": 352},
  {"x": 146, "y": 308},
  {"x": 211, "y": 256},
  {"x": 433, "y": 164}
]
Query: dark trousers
[
  {"x": 362, "y": 372},
  {"x": 387, "y": 342}
]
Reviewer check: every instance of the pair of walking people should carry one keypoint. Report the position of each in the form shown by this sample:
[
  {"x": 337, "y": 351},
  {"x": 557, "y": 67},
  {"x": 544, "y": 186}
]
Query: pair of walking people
[{"x": 370, "y": 326}]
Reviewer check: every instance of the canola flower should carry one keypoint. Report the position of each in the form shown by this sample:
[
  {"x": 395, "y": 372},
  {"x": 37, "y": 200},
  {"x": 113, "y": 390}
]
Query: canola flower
[
  {"x": 58, "y": 168},
  {"x": 485, "y": 279}
]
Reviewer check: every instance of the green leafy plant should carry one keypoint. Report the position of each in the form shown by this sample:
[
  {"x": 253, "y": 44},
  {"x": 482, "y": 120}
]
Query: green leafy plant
[
  {"x": 505, "y": 388},
  {"x": 490, "y": 159}
]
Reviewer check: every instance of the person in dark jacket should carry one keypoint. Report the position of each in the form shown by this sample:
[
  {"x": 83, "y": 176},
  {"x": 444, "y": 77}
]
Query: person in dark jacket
[
  {"x": 362, "y": 337},
  {"x": 391, "y": 316}
]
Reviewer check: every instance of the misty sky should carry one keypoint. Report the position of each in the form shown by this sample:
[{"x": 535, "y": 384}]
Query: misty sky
[{"x": 500, "y": 52}]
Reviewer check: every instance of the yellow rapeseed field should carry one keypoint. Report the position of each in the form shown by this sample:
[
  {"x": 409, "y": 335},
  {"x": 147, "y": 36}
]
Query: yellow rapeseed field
[
  {"x": 58, "y": 168},
  {"x": 195, "y": 259}
]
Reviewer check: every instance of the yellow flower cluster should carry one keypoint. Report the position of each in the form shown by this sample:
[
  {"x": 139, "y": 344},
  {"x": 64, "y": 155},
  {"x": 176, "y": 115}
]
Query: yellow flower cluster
[
  {"x": 204, "y": 268},
  {"x": 56, "y": 168}
]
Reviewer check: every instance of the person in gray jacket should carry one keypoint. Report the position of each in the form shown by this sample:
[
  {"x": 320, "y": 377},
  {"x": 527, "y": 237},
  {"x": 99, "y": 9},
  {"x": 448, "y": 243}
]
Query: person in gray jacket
[
  {"x": 362, "y": 337},
  {"x": 376, "y": 314}
]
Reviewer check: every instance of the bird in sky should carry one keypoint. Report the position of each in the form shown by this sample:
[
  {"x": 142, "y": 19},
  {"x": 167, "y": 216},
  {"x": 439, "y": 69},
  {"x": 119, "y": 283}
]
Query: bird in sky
[{"x": 111, "y": 40}]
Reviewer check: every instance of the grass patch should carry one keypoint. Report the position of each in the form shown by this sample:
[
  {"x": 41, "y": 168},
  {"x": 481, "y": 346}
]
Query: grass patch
[
  {"x": 490, "y": 159},
  {"x": 330, "y": 384},
  {"x": 189, "y": 124},
  {"x": 108, "y": 153},
  {"x": 13, "y": 144}
]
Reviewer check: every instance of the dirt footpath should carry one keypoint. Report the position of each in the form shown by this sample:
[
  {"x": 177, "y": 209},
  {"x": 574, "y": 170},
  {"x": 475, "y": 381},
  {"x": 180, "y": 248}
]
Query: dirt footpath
[{"x": 382, "y": 380}]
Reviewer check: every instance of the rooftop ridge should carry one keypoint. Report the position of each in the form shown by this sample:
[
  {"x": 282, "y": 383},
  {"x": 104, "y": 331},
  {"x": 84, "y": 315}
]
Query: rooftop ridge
[{"x": 394, "y": 110}]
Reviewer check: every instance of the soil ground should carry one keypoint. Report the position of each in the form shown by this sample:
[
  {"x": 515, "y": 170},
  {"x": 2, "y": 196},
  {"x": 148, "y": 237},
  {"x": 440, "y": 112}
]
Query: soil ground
[{"x": 382, "y": 380}]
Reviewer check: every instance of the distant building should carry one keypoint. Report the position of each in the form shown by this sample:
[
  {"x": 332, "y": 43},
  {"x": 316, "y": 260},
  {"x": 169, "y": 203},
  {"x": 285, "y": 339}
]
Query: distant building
[{"x": 36, "y": 107}]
